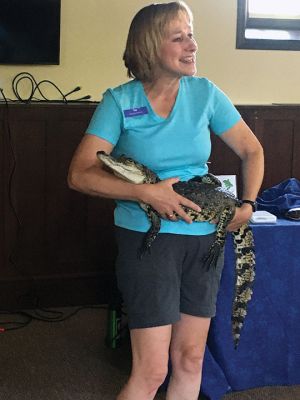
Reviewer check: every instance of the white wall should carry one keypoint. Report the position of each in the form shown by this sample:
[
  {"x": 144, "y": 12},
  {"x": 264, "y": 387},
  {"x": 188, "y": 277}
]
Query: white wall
[{"x": 93, "y": 35}]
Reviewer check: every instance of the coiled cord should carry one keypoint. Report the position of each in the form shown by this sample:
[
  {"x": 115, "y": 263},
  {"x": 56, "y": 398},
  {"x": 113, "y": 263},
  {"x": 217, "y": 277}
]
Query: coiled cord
[{"x": 35, "y": 88}]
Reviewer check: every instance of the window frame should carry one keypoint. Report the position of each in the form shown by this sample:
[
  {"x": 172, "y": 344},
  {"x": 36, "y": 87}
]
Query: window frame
[{"x": 244, "y": 22}]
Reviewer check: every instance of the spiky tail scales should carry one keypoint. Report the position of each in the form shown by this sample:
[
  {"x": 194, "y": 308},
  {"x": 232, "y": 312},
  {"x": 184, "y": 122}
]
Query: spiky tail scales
[{"x": 245, "y": 274}]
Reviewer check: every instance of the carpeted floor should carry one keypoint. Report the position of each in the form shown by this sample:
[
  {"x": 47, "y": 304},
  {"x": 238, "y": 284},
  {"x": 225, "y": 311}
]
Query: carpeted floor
[{"x": 69, "y": 361}]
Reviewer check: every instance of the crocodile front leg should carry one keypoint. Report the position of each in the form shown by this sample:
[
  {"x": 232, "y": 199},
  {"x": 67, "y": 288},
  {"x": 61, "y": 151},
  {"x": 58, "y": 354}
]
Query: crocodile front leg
[
  {"x": 152, "y": 233},
  {"x": 210, "y": 260}
]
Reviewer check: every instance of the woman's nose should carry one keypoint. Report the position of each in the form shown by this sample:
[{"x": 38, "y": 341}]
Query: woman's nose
[{"x": 192, "y": 44}]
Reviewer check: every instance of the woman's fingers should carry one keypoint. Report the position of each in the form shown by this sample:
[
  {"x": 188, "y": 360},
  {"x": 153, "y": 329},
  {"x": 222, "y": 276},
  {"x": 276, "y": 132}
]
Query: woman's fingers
[
  {"x": 169, "y": 204},
  {"x": 182, "y": 201},
  {"x": 177, "y": 211},
  {"x": 241, "y": 217}
]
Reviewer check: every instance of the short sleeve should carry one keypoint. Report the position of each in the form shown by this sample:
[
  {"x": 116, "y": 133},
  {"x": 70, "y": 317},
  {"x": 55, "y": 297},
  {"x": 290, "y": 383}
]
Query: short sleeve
[
  {"x": 107, "y": 120},
  {"x": 224, "y": 114}
]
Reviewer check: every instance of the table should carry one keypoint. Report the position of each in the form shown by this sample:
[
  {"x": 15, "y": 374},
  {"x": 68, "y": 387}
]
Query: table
[{"x": 269, "y": 349}]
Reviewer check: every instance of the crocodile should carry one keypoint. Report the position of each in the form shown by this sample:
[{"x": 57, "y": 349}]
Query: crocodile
[{"x": 217, "y": 205}]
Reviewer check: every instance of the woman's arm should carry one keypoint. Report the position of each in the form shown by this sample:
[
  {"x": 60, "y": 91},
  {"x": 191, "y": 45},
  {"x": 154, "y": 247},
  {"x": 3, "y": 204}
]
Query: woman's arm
[
  {"x": 87, "y": 175},
  {"x": 244, "y": 143}
]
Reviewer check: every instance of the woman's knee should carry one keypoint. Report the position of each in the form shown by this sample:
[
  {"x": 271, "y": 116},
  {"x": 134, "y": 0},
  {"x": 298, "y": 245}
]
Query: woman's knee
[
  {"x": 188, "y": 359},
  {"x": 152, "y": 373},
  {"x": 150, "y": 355}
]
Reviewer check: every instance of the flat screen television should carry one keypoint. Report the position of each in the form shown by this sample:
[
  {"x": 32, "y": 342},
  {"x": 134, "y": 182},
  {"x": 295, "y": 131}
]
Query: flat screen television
[{"x": 30, "y": 31}]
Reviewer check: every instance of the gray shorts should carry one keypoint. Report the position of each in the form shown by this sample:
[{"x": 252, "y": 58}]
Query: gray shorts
[{"x": 170, "y": 280}]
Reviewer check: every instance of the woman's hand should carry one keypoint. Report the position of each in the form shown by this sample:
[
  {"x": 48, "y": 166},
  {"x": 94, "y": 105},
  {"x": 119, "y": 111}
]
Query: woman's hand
[
  {"x": 162, "y": 197},
  {"x": 241, "y": 217}
]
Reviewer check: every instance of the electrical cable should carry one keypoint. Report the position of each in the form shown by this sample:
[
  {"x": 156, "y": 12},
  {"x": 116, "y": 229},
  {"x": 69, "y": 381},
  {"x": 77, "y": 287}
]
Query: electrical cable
[
  {"x": 72, "y": 91},
  {"x": 112, "y": 342},
  {"x": 3, "y": 95},
  {"x": 29, "y": 316},
  {"x": 35, "y": 87}
]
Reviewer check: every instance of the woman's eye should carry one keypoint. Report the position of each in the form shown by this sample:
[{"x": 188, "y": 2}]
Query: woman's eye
[{"x": 180, "y": 39}]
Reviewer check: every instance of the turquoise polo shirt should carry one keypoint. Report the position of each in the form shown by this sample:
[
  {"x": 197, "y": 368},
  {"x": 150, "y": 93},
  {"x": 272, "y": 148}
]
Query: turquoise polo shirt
[{"x": 176, "y": 146}]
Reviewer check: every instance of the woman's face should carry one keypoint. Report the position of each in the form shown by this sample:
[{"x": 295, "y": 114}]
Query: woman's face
[{"x": 177, "y": 56}]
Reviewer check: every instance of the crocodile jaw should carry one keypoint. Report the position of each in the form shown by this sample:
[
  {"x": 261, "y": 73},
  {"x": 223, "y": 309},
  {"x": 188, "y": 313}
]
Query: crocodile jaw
[
  {"x": 130, "y": 175},
  {"x": 129, "y": 172}
]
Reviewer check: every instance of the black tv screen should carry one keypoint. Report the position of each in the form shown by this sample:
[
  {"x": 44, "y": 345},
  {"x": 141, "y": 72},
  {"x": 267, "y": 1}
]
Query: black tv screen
[{"x": 29, "y": 31}]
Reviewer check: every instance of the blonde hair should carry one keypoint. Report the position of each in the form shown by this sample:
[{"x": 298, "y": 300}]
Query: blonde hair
[{"x": 145, "y": 36}]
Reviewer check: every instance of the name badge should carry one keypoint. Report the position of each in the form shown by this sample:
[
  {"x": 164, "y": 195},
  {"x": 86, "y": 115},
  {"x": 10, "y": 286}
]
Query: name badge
[{"x": 134, "y": 112}]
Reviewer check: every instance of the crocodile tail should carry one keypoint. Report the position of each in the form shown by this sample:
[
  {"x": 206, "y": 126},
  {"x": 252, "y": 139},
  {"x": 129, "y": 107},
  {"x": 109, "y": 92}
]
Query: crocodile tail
[{"x": 245, "y": 273}]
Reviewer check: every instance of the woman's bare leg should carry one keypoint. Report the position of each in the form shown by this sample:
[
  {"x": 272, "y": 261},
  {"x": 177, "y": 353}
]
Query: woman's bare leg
[
  {"x": 187, "y": 352},
  {"x": 150, "y": 354}
]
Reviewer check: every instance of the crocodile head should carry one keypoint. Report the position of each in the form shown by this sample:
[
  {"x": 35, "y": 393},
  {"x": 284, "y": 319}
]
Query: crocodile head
[{"x": 127, "y": 169}]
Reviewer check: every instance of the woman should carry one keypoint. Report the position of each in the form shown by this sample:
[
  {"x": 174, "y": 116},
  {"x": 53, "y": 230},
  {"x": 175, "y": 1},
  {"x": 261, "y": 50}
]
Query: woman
[{"x": 162, "y": 118}]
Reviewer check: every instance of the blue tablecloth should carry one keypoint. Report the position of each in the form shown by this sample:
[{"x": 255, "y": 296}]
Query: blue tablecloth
[{"x": 269, "y": 349}]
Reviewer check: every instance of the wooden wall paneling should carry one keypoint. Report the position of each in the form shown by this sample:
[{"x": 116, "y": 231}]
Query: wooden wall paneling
[
  {"x": 2, "y": 194},
  {"x": 276, "y": 131},
  {"x": 52, "y": 258},
  {"x": 10, "y": 218},
  {"x": 74, "y": 252},
  {"x": 279, "y": 151},
  {"x": 28, "y": 186},
  {"x": 27, "y": 247},
  {"x": 66, "y": 210},
  {"x": 249, "y": 115}
]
